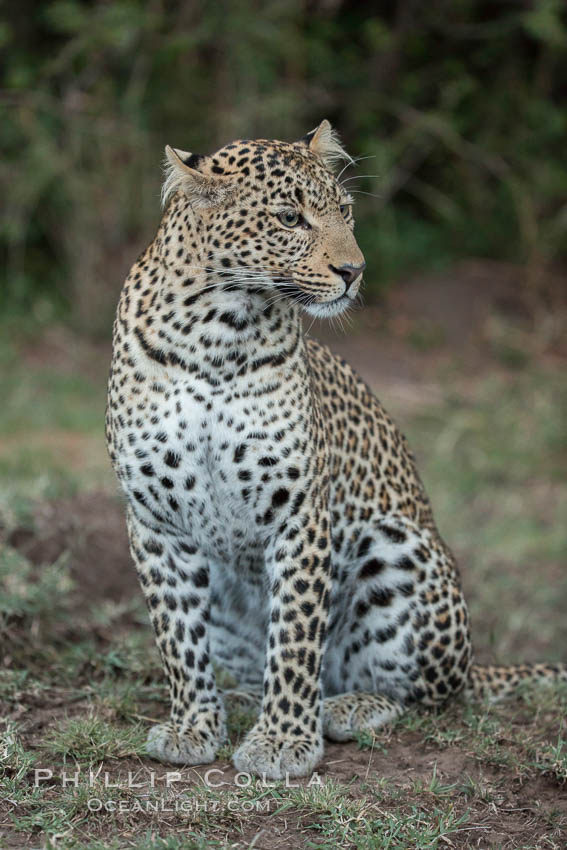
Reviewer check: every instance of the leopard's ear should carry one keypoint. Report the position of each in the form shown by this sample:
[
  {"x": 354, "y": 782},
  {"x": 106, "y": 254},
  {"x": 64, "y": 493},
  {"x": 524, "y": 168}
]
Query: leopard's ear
[
  {"x": 182, "y": 174},
  {"x": 325, "y": 143}
]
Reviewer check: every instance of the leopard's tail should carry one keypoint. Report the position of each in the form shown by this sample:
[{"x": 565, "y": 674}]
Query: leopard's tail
[{"x": 495, "y": 682}]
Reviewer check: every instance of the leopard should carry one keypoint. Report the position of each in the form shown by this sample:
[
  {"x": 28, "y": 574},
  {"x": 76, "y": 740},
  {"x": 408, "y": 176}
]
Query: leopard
[{"x": 276, "y": 518}]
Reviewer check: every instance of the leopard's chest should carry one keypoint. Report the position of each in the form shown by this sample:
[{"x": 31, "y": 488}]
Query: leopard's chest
[{"x": 209, "y": 464}]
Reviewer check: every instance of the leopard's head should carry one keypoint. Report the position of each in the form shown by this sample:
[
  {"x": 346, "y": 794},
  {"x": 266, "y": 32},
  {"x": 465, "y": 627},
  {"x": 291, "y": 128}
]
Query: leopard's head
[{"x": 273, "y": 213}]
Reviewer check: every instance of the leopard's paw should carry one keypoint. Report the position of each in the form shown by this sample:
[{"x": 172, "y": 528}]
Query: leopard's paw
[
  {"x": 166, "y": 744},
  {"x": 275, "y": 757},
  {"x": 346, "y": 714}
]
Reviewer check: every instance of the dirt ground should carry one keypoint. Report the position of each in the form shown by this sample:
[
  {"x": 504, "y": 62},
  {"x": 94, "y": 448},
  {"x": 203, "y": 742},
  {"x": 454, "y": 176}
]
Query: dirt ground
[{"x": 488, "y": 768}]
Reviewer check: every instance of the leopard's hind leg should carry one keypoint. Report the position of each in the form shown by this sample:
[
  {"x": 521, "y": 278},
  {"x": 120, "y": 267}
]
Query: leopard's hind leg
[
  {"x": 398, "y": 630},
  {"x": 346, "y": 714}
]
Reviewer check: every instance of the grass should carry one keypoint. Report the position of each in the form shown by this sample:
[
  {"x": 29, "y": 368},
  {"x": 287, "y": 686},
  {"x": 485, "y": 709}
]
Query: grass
[
  {"x": 367, "y": 739},
  {"x": 81, "y": 678},
  {"x": 51, "y": 423},
  {"x": 337, "y": 818},
  {"x": 24, "y": 592},
  {"x": 91, "y": 739},
  {"x": 493, "y": 457}
]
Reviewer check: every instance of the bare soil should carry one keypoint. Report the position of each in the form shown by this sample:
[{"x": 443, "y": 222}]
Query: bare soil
[{"x": 90, "y": 529}]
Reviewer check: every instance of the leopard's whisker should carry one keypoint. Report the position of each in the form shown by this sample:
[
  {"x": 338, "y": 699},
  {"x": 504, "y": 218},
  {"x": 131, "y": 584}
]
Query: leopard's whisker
[
  {"x": 359, "y": 177},
  {"x": 360, "y": 192},
  {"x": 354, "y": 162},
  {"x": 311, "y": 324}
]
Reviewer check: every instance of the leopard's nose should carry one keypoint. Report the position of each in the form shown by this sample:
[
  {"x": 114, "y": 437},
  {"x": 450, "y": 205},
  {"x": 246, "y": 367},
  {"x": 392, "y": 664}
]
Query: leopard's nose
[{"x": 349, "y": 273}]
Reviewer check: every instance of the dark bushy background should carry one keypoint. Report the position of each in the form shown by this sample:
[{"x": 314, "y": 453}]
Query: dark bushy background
[{"x": 459, "y": 103}]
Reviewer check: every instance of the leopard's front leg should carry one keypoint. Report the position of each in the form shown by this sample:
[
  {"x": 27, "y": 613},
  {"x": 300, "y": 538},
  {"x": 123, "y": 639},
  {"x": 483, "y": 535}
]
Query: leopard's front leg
[
  {"x": 288, "y": 739},
  {"x": 175, "y": 581}
]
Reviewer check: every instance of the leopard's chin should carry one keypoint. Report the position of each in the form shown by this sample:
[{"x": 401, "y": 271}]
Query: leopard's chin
[{"x": 328, "y": 309}]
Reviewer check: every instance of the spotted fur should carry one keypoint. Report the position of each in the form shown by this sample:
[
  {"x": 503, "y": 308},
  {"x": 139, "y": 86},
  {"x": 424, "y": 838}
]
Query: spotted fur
[{"x": 276, "y": 518}]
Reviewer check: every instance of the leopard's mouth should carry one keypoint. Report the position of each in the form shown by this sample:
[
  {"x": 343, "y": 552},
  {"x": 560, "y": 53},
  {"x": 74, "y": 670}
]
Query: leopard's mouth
[
  {"x": 328, "y": 309},
  {"x": 309, "y": 300}
]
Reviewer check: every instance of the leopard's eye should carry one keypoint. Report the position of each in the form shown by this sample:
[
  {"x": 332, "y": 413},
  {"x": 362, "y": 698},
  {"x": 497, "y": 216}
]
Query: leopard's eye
[
  {"x": 345, "y": 209},
  {"x": 289, "y": 218}
]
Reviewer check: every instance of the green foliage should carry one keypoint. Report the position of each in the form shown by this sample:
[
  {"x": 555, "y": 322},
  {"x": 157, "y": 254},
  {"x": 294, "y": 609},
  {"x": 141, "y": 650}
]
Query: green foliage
[{"x": 456, "y": 104}]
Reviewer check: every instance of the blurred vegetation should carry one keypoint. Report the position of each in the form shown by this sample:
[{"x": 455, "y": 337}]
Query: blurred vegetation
[{"x": 457, "y": 103}]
